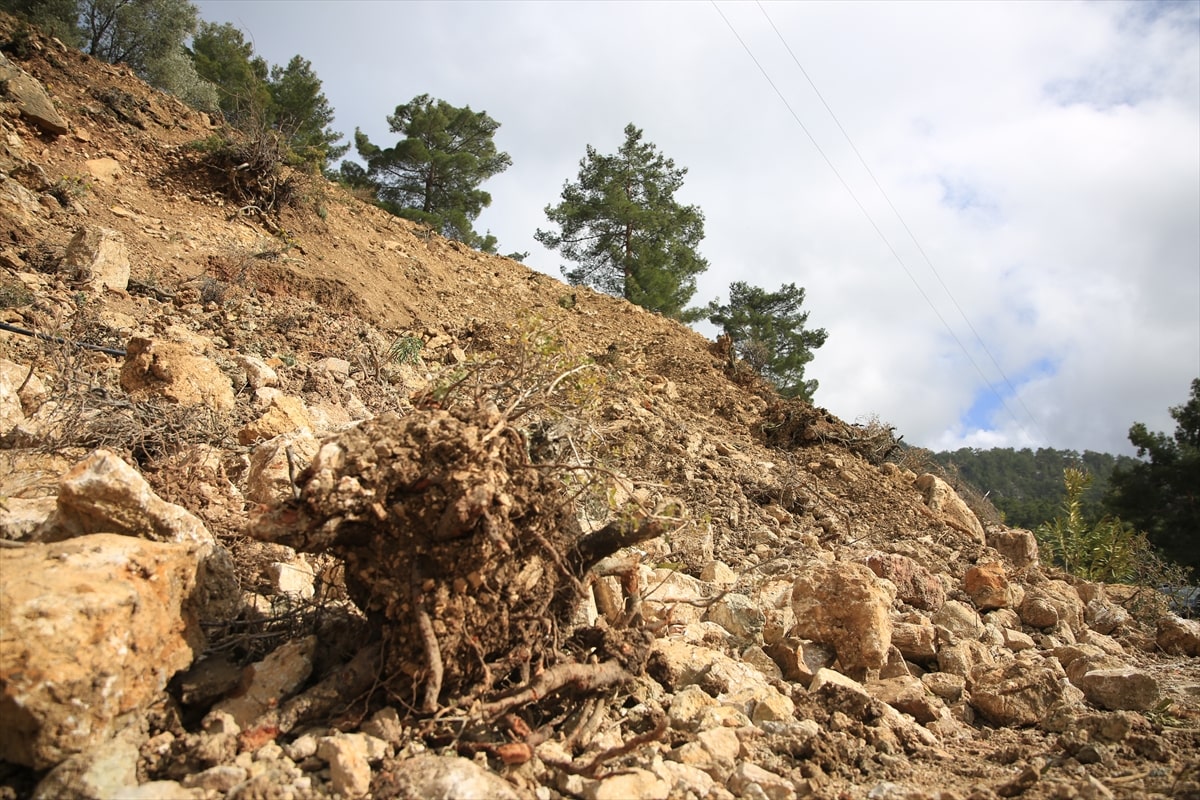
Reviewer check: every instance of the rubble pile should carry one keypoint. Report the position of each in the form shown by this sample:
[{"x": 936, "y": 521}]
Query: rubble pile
[{"x": 362, "y": 513}]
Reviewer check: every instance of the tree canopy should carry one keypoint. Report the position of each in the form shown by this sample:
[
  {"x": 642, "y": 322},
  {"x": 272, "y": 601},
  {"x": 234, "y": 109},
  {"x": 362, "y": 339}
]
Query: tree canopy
[
  {"x": 224, "y": 58},
  {"x": 432, "y": 174},
  {"x": 767, "y": 332},
  {"x": 620, "y": 223},
  {"x": 1161, "y": 495}
]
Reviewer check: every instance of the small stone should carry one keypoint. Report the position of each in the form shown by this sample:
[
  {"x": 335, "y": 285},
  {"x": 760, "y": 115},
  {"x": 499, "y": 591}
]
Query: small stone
[
  {"x": 349, "y": 772},
  {"x": 772, "y": 786},
  {"x": 1178, "y": 636},
  {"x": 640, "y": 783},
  {"x": 987, "y": 586}
]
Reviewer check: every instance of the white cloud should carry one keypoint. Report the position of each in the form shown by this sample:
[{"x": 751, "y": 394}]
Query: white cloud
[{"x": 1046, "y": 156}]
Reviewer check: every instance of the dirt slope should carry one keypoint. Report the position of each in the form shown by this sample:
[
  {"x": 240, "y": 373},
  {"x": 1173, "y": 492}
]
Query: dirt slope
[{"x": 538, "y": 413}]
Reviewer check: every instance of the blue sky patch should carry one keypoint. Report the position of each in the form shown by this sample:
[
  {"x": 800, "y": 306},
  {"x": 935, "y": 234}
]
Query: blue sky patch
[{"x": 988, "y": 405}]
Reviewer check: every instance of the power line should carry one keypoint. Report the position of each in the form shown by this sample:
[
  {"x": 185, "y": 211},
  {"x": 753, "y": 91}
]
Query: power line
[
  {"x": 878, "y": 231},
  {"x": 903, "y": 223}
]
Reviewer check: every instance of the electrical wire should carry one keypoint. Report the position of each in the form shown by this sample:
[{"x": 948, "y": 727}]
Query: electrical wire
[
  {"x": 904, "y": 224},
  {"x": 878, "y": 231}
]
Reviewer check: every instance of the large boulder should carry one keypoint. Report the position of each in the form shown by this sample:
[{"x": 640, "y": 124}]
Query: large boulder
[
  {"x": 1020, "y": 692},
  {"x": 847, "y": 607},
  {"x": 30, "y": 98},
  {"x": 915, "y": 585},
  {"x": 91, "y": 629}
]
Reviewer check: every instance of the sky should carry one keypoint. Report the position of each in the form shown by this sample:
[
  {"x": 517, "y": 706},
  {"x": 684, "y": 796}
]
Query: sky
[{"x": 993, "y": 207}]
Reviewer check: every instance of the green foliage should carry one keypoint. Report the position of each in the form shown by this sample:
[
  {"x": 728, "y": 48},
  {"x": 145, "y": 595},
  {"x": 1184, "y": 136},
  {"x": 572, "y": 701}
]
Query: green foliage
[
  {"x": 256, "y": 98},
  {"x": 300, "y": 111},
  {"x": 432, "y": 174},
  {"x": 223, "y": 57},
  {"x": 58, "y": 18},
  {"x": 1026, "y": 485},
  {"x": 621, "y": 224},
  {"x": 1162, "y": 495},
  {"x": 1107, "y": 550},
  {"x": 135, "y": 32},
  {"x": 176, "y": 73},
  {"x": 767, "y": 332}
]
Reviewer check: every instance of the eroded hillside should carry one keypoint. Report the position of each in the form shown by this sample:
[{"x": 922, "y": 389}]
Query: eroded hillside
[{"x": 328, "y": 506}]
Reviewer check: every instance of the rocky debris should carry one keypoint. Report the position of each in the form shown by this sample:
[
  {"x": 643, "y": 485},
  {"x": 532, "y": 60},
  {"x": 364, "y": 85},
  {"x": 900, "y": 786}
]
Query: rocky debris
[
  {"x": 158, "y": 368},
  {"x": 1178, "y": 636},
  {"x": 103, "y": 494},
  {"x": 30, "y": 98},
  {"x": 103, "y": 619},
  {"x": 96, "y": 258},
  {"x": 941, "y": 497},
  {"x": 848, "y": 608},
  {"x": 806, "y": 564}
]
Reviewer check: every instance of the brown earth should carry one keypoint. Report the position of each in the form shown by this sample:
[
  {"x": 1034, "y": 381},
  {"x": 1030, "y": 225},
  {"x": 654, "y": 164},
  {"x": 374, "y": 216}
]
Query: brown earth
[{"x": 487, "y": 547}]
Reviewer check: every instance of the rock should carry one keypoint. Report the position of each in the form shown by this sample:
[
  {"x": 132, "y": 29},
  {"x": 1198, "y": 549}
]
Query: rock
[
  {"x": 284, "y": 414},
  {"x": 16, "y": 380},
  {"x": 1178, "y": 636},
  {"x": 987, "y": 586},
  {"x": 294, "y": 578},
  {"x": 97, "y": 257},
  {"x": 940, "y": 497},
  {"x": 915, "y": 585},
  {"x": 640, "y": 783},
  {"x": 269, "y": 479},
  {"x": 756, "y": 657},
  {"x": 270, "y": 681},
  {"x": 103, "y": 619},
  {"x": 1120, "y": 689},
  {"x": 1020, "y": 692},
  {"x": 431, "y": 777},
  {"x": 1052, "y": 602},
  {"x": 103, "y": 494},
  {"x": 772, "y": 786},
  {"x": 12, "y": 413},
  {"x": 156, "y": 368},
  {"x": 1018, "y": 546},
  {"x": 259, "y": 374},
  {"x": 915, "y": 642},
  {"x": 737, "y": 614},
  {"x": 960, "y": 619},
  {"x": 105, "y": 170},
  {"x": 349, "y": 771},
  {"x": 98, "y": 773},
  {"x": 21, "y": 519},
  {"x": 30, "y": 98},
  {"x": 847, "y": 607},
  {"x": 1017, "y": 640},
  {"x": 908, "y": 695}
]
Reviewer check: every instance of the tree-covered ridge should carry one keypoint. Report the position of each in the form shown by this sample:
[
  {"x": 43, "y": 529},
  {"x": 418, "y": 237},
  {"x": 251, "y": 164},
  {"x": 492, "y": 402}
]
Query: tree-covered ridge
[{"x": 1027, "y": 485}]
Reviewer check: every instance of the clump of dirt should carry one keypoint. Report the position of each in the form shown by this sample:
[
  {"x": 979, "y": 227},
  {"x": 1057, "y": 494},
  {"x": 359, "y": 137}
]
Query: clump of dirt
[{"x": 469, "y": 555}]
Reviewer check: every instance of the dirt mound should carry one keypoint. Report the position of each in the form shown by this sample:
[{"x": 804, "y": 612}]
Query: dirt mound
[{"x": 457, "y": 523}]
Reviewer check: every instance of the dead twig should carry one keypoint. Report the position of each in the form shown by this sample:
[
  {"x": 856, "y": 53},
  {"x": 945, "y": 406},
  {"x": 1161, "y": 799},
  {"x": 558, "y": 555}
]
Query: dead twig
[{"x": 583, "y": 677}]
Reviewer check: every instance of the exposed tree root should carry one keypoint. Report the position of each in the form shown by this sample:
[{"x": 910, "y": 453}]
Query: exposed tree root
[{"x": 582, "y": 677}]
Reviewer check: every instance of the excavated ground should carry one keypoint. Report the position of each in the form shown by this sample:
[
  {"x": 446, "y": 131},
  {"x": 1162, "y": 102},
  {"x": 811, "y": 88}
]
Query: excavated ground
[{"x": 511, "y": 415}]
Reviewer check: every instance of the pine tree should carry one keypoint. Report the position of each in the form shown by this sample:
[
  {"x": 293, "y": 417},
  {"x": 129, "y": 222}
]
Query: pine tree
[
  {"x": 432, "y": 175},
  {"x": 136, "y": 32},
  {"x": 302, "y": 114},
  {"x": 767, "y": 331},
  {"x": 621, "y": 224},
  {"x": 224, "y": 58},
  {"x": 1162, "y": 495}
]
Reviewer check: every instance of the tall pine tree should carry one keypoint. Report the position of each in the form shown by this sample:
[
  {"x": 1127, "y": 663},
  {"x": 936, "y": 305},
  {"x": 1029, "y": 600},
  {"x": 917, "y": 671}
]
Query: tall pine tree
[
  {"x": 767, "y": 332},
  {"x": 432, "y": 174},
  {"x": 621, "y": 224}
]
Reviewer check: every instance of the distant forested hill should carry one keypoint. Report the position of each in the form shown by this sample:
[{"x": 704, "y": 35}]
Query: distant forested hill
[{"x": 1027, "y": 485}]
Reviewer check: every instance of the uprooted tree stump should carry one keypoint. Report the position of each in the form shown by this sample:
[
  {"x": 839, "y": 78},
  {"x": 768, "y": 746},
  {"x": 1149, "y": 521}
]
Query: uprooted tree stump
[{"x": 469, "y": 557}]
